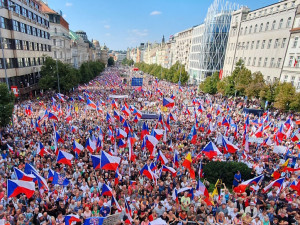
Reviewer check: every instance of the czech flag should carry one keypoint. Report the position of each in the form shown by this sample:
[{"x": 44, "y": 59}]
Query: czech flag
[
  {"x": 242, "y": 187},
  {"x": 69, "y": 219},
  {"x": 172, "y": 117},
  {"x": 259, "y": 132},
  {"x": 169, "y": 169},
  {"x": 150, "y": 142},
  {"x": 51, "y": 116},
  {"x": 157, "y": 133},
  {"x": 168, "y": 102},
  {"x": 144, "y": 131},
  {"x": 23, "y": 176},
  {"x": 60, "y": 180},
  {"x": 106, "y": 190},
  {"x": 50, "y": 175},
  {"x": 137, "y": 113},
  {"x": 211, "y": 150},
  {"x": 162, "y": 158},
  {"x": 58, "y": 138},
  {"x": 74, "y": 128},
  {"x": 91, "y": 104},
  {"x": 275, "y": 183},
  {"x": 96, "y": 161},
  {"x": 64, "y": 158},
  {"x": 116, "y": 115},
  {"x": 176, "y": 159},
  {"x": 41, "y": 149},
  {"x": 42, "y": 183},
  {"x": 29, "y": 169},
  {"x": 16, "y": 187},
  {"x": 193, "y": 136},
  {"x": 146, "y": 171},
  {"x": 122, "y": 143},
  {"x": 11, "y": 150},
  {"x": 114, "y": 202},
  {"x": 90, "y": 145},
  {"x": 77, "y": 147},
  {"x": 202, "y": 189},
  {"x": 225, "y": 122},
  {"x": 126, "y": 111},
  {"x": 200, "y": 108},
  {"x": 109, "y": 119},
  {"x": 228, "y": 146},
  {"x": 94, "y": 220},
  {"x": 121, "y": 133},
  {"x": 109, "y": 162},
  {"x": 136, "y": 119},
  {"x": 37, "y": 127}
]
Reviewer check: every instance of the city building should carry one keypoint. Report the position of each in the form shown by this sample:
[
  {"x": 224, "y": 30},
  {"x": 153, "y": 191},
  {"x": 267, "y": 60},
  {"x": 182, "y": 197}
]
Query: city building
[
  {"x": 291, "y": 66},
  {"x": 261, "y": 38},
  {"x": 79, "y": 50},
  {"x": 26, "y": 43},
  {"x": 59, "y": 34}
]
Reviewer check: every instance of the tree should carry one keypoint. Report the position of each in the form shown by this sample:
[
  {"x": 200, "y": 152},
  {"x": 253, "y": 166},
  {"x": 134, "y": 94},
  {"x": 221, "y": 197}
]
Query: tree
[
  {"x": 110, "y": 61},
  {"x": 209, "y": 85},
  {"x": 256, "y": 85},
  {"x": 286, "y": 96},
  {"x": 6, "y": 105}
]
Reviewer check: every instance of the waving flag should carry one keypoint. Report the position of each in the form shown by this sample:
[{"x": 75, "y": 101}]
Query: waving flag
[
  {"x": 51, "y": 116},
  {"x": 176, "y": 159},
  {"x": 23, "y": 176},
  {"x": 228, "y": 146},
  {"x": 60, "y": 180},
  {"x": 275, "y": 183},
  {"x": 168, "y": 102},
  {"x": 211, "y": 150},
  {"x": 90, "y": 145},
  {"x": 121, "y": 133},
  {"x": 109, "y": 119},
  {"x": 77, "y": 147},
  {"x": 122, "y": 143},
  {"x": 145, "y": 131},
  {"x": 106, "y": 190},
  {"x": 169, "y": 169},
  {"x": 150, "y": 142},
  {"x": 91, "y": 104},
  {"x": 50, "y": 175},
  {"x": 242, "y": 187},
  {"x": 162, "y": 158},
  {"x": 96, "y": 161},
  {"x": 259, "y": 132},
  {"x": 126, "y": 111},
  {"x": 29, "y": 169},
  {"x": 146, "y": 171},
  {"x": 193, "y": 135},
  {"x": 41, "y": 149},
  {"x": 157, "y": 133},
  {"x": 16, "y": 187},
  {"x": 37, "y": 127},
  {"x": 137, "y": 113},
  {"x": 64, "y": 158},
  {"x": 109, "y": 162},
  {"x": 116, "y": 115},
  {"x": 11, "y": 150},
  {"x": 114, "y": 202},
  {"x": 94, "y": 221},
  {"x": 58, "y": 138},
  {"x": 42, "y": 183},
  {"x": 69, "y": 219}
]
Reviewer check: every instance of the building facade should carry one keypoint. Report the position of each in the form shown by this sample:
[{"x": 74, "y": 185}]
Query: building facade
[
  {"x": 79, "y": 50},
  {"x": 59, "y": 34},
  {"x": 291, "y": 66},
  {"x": 261, "y": 38},
  {"x": 26, "y": 43}
]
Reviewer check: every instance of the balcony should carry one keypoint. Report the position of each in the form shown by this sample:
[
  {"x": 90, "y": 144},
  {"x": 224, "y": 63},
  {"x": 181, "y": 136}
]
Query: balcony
[{"x": 26, "y": 90}]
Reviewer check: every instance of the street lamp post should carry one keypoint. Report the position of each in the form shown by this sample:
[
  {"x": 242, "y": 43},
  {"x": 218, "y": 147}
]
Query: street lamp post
[{"x": 2, "y": 49}]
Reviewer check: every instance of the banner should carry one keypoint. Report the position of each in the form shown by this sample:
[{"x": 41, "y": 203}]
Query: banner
[
  {"x": 15, "y": 90},
  {"x": 256, "y": 140},
  {"x": 118, "y": 96}
]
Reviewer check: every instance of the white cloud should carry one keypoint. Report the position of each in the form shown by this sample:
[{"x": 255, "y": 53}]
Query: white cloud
[
  {"x": 155, "y": 13},
  {"x": 106, "y": 26},
  {"x": 69, "y": 4}
]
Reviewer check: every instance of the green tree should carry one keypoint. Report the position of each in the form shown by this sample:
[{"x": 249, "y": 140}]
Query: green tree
[
  {"x": 209, "y": 85},
  {"x": 242, "y": 80},
  {"x": 6, "y": 105},
  {"x": 256, "y": 85},
  {"x": 110, "y": 61},
  {"x": 285, "y": 97}
]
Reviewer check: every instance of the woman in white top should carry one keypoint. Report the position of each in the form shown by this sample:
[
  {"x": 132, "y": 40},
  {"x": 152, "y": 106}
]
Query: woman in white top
[
  {"x": 210, "y": 220},
  {"x": 256, "y": 221}
]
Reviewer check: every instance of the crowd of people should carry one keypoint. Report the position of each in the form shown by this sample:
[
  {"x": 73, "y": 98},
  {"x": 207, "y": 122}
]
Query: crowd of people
[{"x": 152, "y": 182}]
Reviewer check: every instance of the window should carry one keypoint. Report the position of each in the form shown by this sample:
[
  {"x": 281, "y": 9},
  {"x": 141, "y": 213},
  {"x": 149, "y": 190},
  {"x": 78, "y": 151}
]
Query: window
[
  {"x": 272, "y": 62},
  {"x": 33, "y": 31},
  {"x": 30, "y": 44},
  {"x": 269, "y": 43},
  {"x": 278, "y": 62},
  {"x": 29, "y": 14},
  {"x": 290, "y": 61},
  {"x": 253, "y": 62},
  {"x": 16, "y": 26},
  {"x": 280, "y": 24},
  {"x": 23, "y": 29},
  {"x": 24, "y": 12},
  {"x": 252, "y": 44},
  {"x": 267, "y": 26},
  {"x": 25, "y": 45},
  {"x": 35, "y": 48},
  {"x": 293, "y": 80},
  {"x": 33, "y": 17},
  {"x": 298, "y": 85},
  {"x": 246, "y": 29},
  {"x": 255, "y": 28},
  {"x": 273, "y": 25},
  {"x": 298, "y": 58},
  {"x": 288, "y": 22},
  {"x": 55, "y": 30},
  {"x": 286, "y": 78},
  {"x": 257, "y": 44},
  {"x": 29, "y": 31},
  {"x": 9, "y": 63},
  {"x": 20, "y": 63},
  {"x": 259, "y": 61},
  {"x": 276, "y": 43},
  {"x": 55, "y": 56},
  {"x": 54, "y": 42},
  {"x": 38, "y": 32},
  {"x": 26, "y": 62},
  {"x": 283, "y": 42},
  {"x": 250, "y": 30},
  {"x": 265, "y": 62},
  {"x": 295, "y": 42},
  {"x": 249, "y": 60},
  {"x": 241, "y": 32},
  {"x": 263, "y": 44},
  {"x": 261, "y": 27},
  {"x": 17, "y": 9},
  {"x": 29, "y": 62},
  {"x": 18, "y": 44},
  {"x": 247, "y": 45}
]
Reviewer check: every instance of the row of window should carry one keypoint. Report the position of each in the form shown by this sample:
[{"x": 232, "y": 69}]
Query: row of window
[
  {"x": 293, "y": 81},
  {"x": 278, "y": 43},
  {"x": 261, "y": 28},
  {"x": 259, "y": 61},
  {"x": 22, "y": 27},
  {"x": 25, "y": 45},
  {"x": 27, "y": 13},
  {"x": 21, "y": 62}
]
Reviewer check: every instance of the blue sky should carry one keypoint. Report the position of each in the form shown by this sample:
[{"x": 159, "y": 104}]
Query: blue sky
[{"x": 126, "y": 23}]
